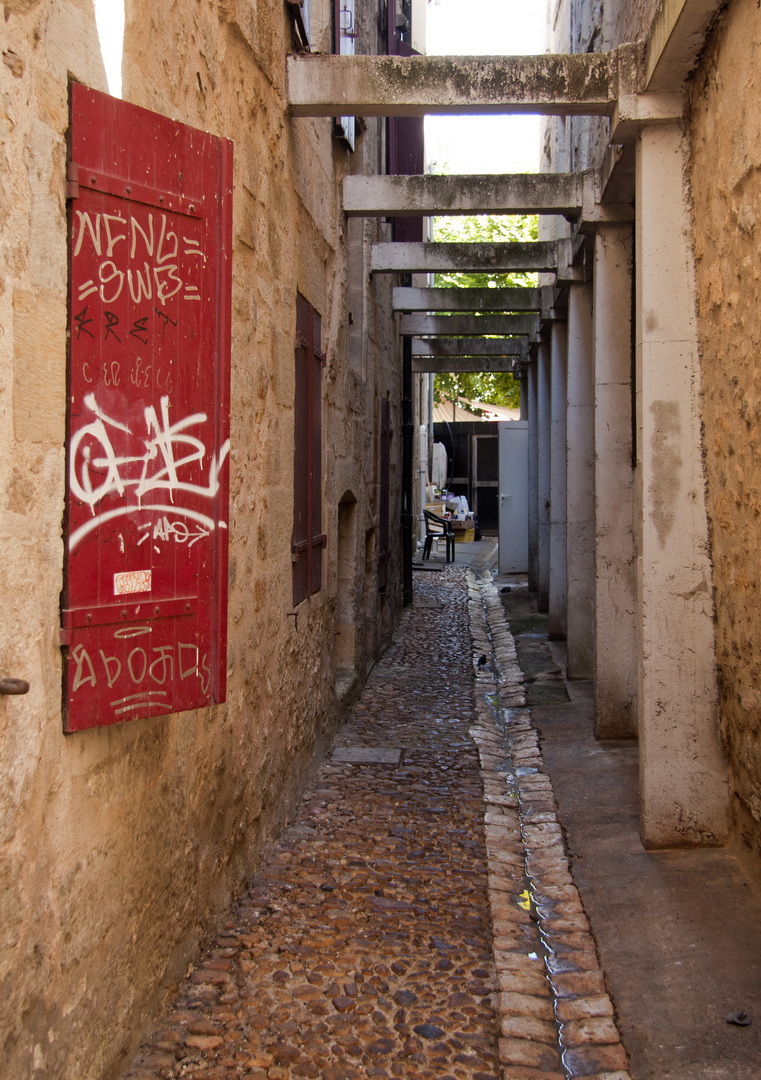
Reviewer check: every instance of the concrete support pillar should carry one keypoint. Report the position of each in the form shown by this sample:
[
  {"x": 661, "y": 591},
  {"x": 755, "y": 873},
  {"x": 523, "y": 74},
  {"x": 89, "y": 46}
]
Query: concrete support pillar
[
  {"x": 683, "y": 781},
  {"x": 558, "y": 465},
  {"x": 580, "y": 441},
  {"x": 533, "y": 464},
  {"x": 543, "y": 475},
  {"x": 615, "y": 660}
]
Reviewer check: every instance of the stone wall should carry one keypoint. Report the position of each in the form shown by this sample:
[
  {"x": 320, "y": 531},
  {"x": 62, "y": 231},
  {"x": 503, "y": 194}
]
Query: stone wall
[
  {"x": 579, "y": 26},
  {"x": 119, "y": 845},
  {"x": 726, "y": 189}
]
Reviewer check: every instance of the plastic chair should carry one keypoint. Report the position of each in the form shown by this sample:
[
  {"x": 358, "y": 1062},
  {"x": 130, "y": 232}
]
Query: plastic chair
[{"x": 437, "y": 528}]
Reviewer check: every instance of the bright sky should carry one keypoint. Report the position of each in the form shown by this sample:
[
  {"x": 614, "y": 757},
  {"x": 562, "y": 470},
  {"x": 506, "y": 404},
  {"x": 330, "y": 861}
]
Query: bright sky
[
  {"x": 109, "y": 18},
  {"x": 484, "y": 144}
]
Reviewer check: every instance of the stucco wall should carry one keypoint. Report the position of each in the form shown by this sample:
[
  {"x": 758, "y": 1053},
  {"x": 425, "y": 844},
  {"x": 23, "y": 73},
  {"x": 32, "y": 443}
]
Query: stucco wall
[
  {"x": 119, "y": 845},
  {"x": 726, "y": 188}
]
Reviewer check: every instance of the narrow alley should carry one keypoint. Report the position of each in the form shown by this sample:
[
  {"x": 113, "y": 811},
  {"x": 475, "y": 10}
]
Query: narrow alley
[
  {"x": 497, "y": 820},
  {"x": 420, "y": 918},
  {"x": 391, "y": 932}
]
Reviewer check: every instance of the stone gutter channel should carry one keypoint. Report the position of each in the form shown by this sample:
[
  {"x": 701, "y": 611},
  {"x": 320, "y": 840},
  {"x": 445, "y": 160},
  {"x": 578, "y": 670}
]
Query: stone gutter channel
[{"x": 556, "y": 1018}]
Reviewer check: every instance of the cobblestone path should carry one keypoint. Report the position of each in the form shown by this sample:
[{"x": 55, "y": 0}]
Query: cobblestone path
[{"x": 393, "y": 931}]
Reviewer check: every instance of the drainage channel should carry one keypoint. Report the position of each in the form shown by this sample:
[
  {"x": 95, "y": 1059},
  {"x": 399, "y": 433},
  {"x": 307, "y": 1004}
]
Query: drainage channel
[{"x": 556, "y": 1018}]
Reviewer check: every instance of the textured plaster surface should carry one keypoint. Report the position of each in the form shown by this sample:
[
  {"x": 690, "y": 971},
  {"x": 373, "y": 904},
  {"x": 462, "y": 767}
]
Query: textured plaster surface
[
  {"x": 726, "y": 189},
  {"x": 682, "y": 770}
]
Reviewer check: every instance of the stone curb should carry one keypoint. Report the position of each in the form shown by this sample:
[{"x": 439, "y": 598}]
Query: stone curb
[{"x": 556, "y": 1018}]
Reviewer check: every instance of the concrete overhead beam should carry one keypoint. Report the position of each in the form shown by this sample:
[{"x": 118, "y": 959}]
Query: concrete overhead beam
[
  {"x": 422, "y": 365},
  {"x": 446, "y": 347},
  {"x": 677, "y": 36},
  {"x": 431, "y": 258},
  {"x": 635, "y": 110},
  {"x": 581, "y": 84},
  {"x": 411, "y": 196},
  {"x": 468, "y": 325},
  {"x": 510, "y": 299}
]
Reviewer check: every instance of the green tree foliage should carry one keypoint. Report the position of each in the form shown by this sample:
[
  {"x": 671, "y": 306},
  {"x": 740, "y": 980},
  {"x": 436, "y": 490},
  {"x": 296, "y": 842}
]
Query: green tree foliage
[
  {"x": 488, "y": 387},
  {"x": 485, "y": 229},
  {"x": 494, "y": 388}
]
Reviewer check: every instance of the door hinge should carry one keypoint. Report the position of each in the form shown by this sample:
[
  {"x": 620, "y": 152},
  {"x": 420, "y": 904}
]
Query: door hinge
[{"x": 72, "y": 180}]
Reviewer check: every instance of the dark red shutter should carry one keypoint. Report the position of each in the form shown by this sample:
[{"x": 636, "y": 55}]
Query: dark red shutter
[
  {"x": 318, "y": 540},
  {"x": 307, "y": 540},
  {"x": 383, "y": 504},
  {"x": 301, "y": 465},
  {"x": 144, "y": 612}
]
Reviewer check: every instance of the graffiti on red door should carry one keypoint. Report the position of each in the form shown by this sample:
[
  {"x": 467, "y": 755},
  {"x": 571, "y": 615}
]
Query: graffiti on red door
[{"x": 148, "y": 417}]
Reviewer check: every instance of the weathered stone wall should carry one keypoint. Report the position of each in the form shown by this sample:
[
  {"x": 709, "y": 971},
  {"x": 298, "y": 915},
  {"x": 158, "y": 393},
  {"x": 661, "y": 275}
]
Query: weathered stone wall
[
  {"x": 600, "y": 24},
  {"x": 119, "y": 845},
  {"x": 726, "y": 188},
  {"x": 626, "y": 20},
  {"x": 579, "y": 26}
]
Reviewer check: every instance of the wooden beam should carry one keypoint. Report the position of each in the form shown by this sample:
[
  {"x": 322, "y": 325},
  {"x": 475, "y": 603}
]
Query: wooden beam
[
  {"x": 510, "y": 299},
  {"x": 427, "y": 258},
  {"x": 468, "y": 325},
  {"x": 411, "y": 196},
  {"x": 437, "y": 365},
  {"x": 580, "y": 84}
]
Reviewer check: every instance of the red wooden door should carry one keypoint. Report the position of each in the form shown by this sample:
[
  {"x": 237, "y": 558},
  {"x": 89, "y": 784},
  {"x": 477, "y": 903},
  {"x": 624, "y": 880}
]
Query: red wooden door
[{"x": 144, "y": 611}]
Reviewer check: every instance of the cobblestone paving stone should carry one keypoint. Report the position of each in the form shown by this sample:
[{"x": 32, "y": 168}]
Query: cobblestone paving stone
[
  {"x": 418, "y": 920},
  {"x": 363, "y": 948},
  {"x": 562, "y": 1026}
]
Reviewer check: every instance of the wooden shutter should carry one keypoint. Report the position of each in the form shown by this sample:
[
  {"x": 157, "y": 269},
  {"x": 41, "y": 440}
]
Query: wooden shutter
[
  {"x": 308, "y": 539},
  {"x": 144, "y": 611},
  {"x": 383, "y": 504}
]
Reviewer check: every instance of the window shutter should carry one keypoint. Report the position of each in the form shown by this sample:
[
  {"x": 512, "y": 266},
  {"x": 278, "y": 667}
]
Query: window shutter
[
  {"x": 307, "y": 540},
  {"x": 144, "y": 605},
  {"x": 383, "y": 505},
  {"x": 317, "y": 538},
  {"x": 301, "y": 465}
]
